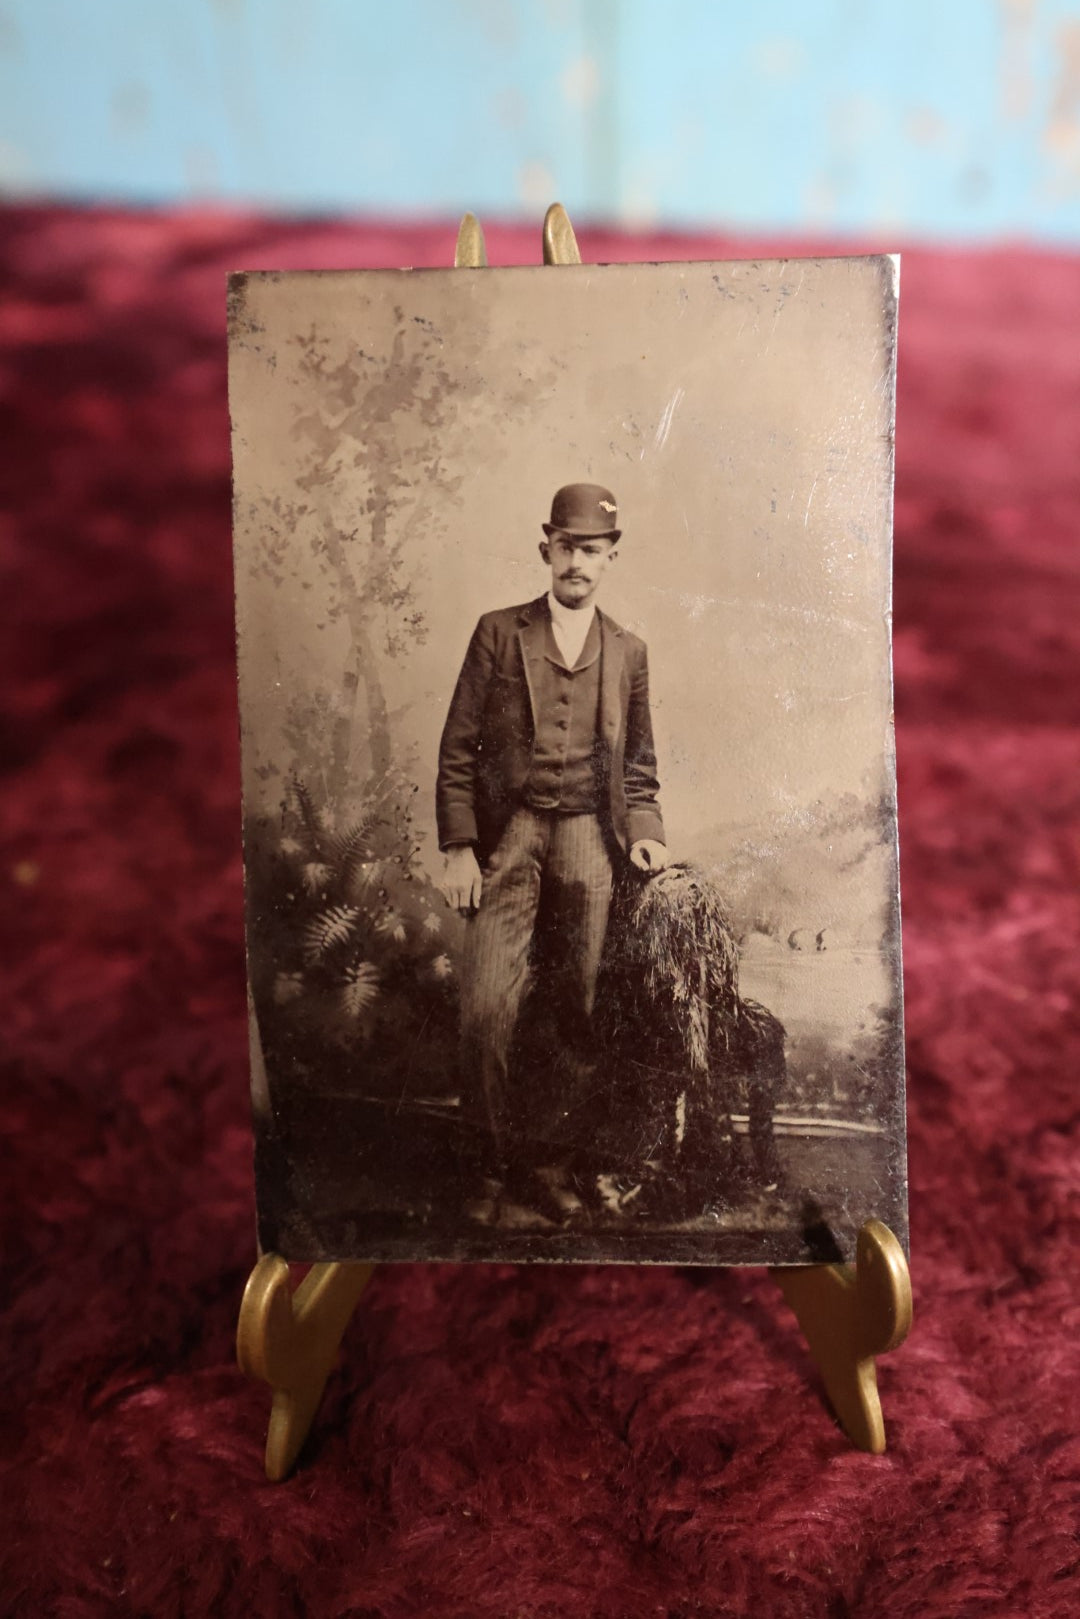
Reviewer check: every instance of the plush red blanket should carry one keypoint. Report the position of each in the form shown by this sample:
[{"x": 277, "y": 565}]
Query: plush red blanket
[{"x": 498, "y": 1442}]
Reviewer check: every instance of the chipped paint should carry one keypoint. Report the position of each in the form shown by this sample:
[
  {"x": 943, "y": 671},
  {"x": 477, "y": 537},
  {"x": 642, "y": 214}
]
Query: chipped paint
[{"x": 959, "y": 120}]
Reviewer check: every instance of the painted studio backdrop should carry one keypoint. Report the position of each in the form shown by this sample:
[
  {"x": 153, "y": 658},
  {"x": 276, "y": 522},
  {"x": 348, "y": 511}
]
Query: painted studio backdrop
[{"x": 398, "y": 437}]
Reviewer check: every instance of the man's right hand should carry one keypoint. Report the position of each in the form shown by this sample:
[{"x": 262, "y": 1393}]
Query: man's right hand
[{"x": 462, "y": 882}]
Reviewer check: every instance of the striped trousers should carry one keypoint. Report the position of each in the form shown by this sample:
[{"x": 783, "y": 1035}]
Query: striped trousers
[{"x": 547, "y": 865}]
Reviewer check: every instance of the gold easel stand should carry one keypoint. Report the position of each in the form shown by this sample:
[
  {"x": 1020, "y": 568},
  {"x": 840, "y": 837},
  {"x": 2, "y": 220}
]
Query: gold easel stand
[{"x": 848, "y": 1313}]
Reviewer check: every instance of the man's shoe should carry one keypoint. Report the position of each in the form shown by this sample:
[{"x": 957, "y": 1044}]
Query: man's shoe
[{"x": 542, "y": 1191}]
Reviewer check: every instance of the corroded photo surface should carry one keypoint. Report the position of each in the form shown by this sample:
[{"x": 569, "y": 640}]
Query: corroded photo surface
[{"x": 564, "y": 607}]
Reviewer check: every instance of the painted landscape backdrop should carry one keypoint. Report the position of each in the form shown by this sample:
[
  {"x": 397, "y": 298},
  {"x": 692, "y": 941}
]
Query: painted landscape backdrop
[{"x": 397, "y": 439}]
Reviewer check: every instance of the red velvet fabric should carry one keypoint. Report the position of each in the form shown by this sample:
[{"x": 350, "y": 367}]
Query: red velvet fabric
[{"x": 497, "y": 1442}]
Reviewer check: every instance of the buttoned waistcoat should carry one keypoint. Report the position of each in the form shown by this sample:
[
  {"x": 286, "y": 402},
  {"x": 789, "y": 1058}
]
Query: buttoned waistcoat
[{"x": 486, "y": 747}]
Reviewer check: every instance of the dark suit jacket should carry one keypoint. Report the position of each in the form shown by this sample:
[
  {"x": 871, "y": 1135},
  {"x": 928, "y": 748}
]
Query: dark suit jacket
[{"x": 486, "y": 747}]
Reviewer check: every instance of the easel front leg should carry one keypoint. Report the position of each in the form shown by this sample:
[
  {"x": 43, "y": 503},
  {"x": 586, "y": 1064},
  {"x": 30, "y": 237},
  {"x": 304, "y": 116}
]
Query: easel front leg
[
  {"x": 849, "y": 1314},
  {"x": 290, "y": 1340}
]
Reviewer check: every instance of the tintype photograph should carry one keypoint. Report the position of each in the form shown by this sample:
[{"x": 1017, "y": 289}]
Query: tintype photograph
[{"x": 564, "y": 611}]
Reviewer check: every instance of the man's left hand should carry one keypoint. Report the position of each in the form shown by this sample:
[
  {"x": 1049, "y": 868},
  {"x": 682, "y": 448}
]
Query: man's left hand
[{"x": 648, "y": 855}]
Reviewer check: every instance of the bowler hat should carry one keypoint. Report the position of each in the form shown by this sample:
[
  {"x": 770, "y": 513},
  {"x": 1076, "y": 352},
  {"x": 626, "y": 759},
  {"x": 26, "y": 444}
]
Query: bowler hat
[{"x": 586, "y": 510}]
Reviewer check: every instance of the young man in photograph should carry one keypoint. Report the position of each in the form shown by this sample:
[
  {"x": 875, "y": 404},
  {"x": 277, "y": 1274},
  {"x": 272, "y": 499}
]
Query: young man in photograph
[{"x": 547, "y": 777}]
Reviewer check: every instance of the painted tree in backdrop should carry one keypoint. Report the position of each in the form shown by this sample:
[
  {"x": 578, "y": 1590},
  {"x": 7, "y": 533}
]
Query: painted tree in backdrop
[
  {"x": 384, "y": 438},
  {"x": 374, "y": 432},
  {"x": 352, "y": 936}
]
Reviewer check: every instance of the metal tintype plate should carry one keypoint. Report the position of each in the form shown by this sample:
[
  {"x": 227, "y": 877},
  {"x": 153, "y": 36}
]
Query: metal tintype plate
[{"x": 564, "y": 612}]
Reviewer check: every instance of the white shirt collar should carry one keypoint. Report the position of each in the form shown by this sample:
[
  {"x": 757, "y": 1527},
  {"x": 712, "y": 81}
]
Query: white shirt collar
[
  {"x": 572, "y": 620},
  {"x": 570, "y": 627}
]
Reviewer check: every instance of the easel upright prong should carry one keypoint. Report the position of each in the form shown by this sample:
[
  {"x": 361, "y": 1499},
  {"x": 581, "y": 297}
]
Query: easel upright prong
[
  {"x": 471, "y": 250},
  {"x": 560, "y": 243},
  {"x": 849, "y": 1314}
]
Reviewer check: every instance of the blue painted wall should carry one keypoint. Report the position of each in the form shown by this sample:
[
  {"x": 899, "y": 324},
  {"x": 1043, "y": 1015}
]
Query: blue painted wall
[{"x": 955, "y": 118}]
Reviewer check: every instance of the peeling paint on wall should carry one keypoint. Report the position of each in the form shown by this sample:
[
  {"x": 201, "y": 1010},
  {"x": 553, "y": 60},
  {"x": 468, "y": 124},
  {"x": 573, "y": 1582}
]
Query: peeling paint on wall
[{"x": 959, "y": 120}]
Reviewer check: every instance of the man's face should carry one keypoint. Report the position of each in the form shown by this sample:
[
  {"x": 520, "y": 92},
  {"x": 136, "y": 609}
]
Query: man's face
[{"x": 577, "y": 566}]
